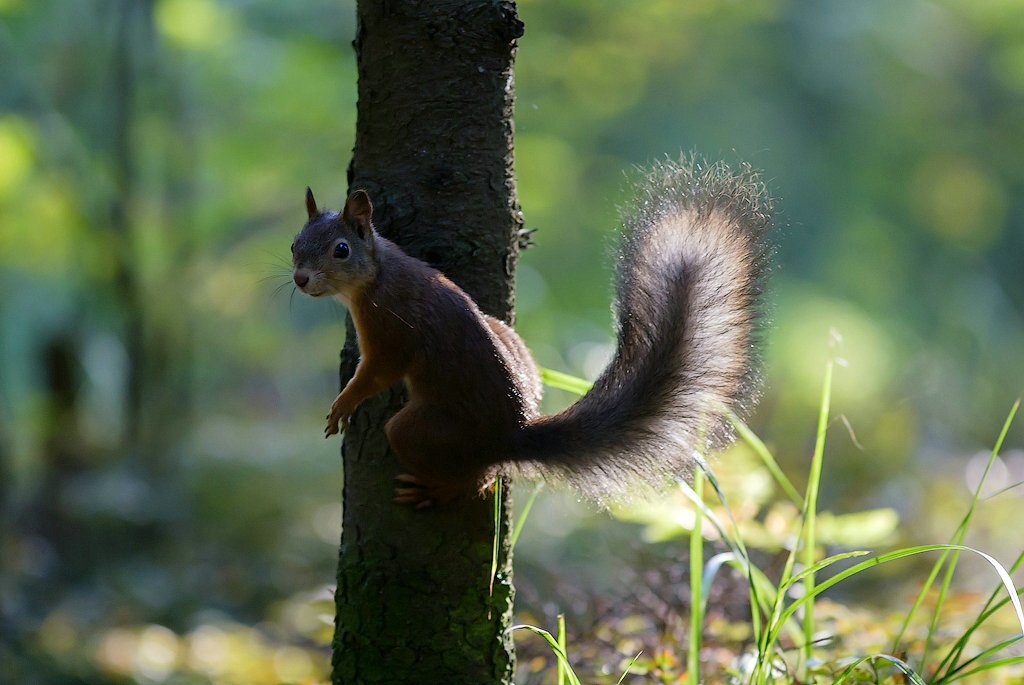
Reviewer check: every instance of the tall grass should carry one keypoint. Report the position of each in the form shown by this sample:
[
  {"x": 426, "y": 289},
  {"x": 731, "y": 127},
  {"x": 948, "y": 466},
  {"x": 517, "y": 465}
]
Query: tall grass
[
  {"x": 810, "y": 509},
  {"x": 776, "y": 612},
  {"x": 697, "y": 595}
]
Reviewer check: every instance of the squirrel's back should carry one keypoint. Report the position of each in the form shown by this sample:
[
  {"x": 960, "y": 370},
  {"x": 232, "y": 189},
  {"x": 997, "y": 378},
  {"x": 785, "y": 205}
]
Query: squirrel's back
[
  {"x": 689, "y": 278},
  {"x": 465, "y": 364}
]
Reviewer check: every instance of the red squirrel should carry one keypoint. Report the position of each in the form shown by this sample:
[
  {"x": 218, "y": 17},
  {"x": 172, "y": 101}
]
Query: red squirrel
[{"x": 690, "y": 271}]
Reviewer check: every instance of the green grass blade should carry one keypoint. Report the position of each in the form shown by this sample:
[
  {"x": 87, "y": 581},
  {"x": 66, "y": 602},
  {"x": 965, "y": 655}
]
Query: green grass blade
[
  {"x": 764, "y": 598},
  {"x": 521, "y": 519},
  {"x": 775, "y": 618},
  {"x": 758, "y": 584},
  {"x": 807, "y": 536},
  {"x": 919, "y": 600},
  {"x": 940, "y": 600},
  {"x": 763, "y": 592},
  {"x": 991, "y": 665},
  {"x": 900, "y": 554},
  {"x": 628, "y": 666},
  {"x": 1002, "y": 490},
  {"x": 760, "y": 449},
  {"x": 962, "y": 533},
  {"x": 799, "y": 577},
  {"x": 903, "y": 666},
  {"x": 562, "y": 645},
  {"x": 984, "y": 654},
  {"x": 766, "y": 591},
  {"x": 556, "y": 649},
  {"x": 953, "y": 657},
  {"x": 957, "y": 538},
  {"x": 735, "y": 543},
  {"x": 819, "y": 566},
  {"x": 764, "y": 595},
  {"x": 811, "y": 510},
  {"x": 565, "y": 381},
  {"x": 711, "y": 568},
  {"x": 498, "y": 484},
  {"x": 696, "y": 586}
]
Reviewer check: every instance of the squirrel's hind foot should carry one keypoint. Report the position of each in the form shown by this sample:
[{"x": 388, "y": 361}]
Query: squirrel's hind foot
[{"x": 421, "y": 494}]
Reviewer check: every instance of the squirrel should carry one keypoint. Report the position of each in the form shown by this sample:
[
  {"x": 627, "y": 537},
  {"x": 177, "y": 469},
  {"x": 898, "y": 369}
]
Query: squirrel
[{"x": 691, "y": 266}]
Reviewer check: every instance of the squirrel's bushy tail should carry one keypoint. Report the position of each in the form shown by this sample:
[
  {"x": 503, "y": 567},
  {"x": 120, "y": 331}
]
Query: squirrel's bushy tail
[{"x": 689, "y": 278}]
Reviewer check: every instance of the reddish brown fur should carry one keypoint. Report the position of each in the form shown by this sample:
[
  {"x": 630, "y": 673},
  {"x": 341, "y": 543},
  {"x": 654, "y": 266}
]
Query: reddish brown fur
[{"x": 468, "y": 391}]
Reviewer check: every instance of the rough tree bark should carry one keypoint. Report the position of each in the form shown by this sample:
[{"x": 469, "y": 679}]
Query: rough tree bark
[{"x": 415, "y": 599}]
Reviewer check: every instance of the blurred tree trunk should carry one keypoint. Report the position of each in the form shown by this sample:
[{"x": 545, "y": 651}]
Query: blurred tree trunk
[
  {"x": 126, "y": 277},
  {"x": 146, "y": 95},
  {"x": 62, "y": 456},
  {"x": 415, "y": 598},
  {"x": 164, "y": 102}
]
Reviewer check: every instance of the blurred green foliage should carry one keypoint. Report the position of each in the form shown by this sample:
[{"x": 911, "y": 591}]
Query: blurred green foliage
[{"x": 162, "y": 478}]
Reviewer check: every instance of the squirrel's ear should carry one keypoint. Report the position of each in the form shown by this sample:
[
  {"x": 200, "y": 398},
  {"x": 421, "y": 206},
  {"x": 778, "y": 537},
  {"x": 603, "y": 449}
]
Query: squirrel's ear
[
  {"x": 358, "y": 211},
  {"x": 311, "y": 204}
]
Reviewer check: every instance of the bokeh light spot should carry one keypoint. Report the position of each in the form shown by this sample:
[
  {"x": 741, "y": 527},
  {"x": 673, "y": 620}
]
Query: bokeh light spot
[
  {"x": 960, "y": 201},
  {"x": 801, "y": 347},
  {"x": 292, "y": 664},
  {"x": 195, "y": 24},
  {"x": 16, "y": 153},
  {"x": 157, "y": 654}
]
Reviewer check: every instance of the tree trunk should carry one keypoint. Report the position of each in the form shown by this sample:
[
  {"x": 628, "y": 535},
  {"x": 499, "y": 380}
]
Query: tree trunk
[
  {"x": 415, "y": 598},
  {"x": 127, "y": 283}
]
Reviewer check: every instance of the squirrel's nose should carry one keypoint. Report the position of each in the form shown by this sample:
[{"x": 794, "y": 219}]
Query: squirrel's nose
[{"x": 301, "y": 278}]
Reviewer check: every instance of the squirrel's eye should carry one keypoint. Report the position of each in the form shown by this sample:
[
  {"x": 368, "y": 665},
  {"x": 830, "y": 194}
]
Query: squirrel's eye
[
  {"x": 293, "y": 248},
  {"x": 342, "y": 251}
]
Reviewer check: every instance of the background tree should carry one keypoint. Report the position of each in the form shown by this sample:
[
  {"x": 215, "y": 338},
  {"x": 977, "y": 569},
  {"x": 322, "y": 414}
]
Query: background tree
[{"x": 415, "y": 596}]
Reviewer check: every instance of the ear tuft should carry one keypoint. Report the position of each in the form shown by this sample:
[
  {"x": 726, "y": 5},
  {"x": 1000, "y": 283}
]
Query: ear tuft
[{"x": 311, "y": 204}]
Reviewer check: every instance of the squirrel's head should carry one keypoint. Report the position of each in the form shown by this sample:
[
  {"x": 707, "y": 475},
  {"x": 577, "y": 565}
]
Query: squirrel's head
[{"x": 333, "y": 254}]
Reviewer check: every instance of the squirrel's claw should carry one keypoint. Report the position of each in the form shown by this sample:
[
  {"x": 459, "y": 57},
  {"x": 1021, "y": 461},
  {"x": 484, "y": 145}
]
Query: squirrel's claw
[
  {"x": 422, "y": 494},
  {"x": 335, "y": 424},
  {"x": 409, "y": 493},
  {"x": 416, "y": 500},
  {"x": 419, "y": 495},
  {"x": 416, "y": 503}
]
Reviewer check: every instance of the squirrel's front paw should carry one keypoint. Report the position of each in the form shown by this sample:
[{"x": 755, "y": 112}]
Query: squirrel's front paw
[{"x": 337, "y": 420}]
